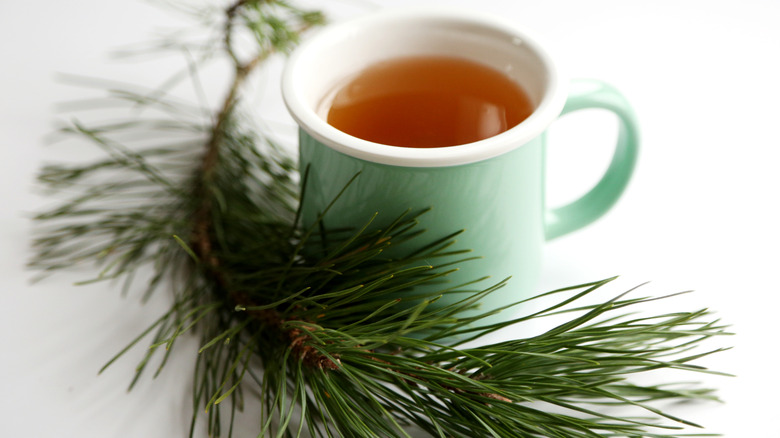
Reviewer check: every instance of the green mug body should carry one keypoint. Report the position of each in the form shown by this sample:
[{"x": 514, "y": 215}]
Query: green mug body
[
  {"x": 497, "y": 203},
  {"x": 493, "y": 189}
]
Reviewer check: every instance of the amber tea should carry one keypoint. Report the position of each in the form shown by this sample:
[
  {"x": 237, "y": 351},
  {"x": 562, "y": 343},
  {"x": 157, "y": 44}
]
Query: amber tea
[{"x": 427, "y": 102}]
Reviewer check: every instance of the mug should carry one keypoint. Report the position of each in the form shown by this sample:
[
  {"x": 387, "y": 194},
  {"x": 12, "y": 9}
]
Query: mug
[{"x": 493, "y": 189}]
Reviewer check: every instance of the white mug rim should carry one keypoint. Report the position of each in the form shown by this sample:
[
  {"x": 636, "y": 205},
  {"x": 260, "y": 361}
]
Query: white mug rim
[{"x": 548, "y": 109}]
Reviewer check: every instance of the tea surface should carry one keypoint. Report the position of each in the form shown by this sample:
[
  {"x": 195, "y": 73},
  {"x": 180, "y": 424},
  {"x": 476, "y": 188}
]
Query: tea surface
[{"x": 426, "y": 102}]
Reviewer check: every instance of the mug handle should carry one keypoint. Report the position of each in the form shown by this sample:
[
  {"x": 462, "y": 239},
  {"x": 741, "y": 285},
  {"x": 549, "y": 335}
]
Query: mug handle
[{"x": 590, "y": 93}]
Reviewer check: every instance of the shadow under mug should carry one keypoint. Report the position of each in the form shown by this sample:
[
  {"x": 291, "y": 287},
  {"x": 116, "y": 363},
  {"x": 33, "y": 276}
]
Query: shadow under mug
[{"x": 494, "y": 188}]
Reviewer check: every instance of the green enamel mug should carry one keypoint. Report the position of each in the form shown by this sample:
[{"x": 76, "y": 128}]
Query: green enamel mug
[{"x": 493, "y": 189}]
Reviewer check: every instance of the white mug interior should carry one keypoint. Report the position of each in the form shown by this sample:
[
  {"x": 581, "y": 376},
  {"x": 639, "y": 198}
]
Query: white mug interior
[{"x": 330, "y": 58}]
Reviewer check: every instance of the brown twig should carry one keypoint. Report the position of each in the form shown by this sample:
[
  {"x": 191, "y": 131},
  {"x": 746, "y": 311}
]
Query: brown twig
[{"x": 202, "y": 237}]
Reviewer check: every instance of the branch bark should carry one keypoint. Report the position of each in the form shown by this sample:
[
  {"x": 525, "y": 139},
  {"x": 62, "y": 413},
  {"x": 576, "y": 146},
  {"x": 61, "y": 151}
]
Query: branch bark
[{"x": 202, "y": 236}]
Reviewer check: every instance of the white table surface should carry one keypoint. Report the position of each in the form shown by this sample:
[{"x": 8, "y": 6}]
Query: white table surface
[{"x": 701, "y": 212}]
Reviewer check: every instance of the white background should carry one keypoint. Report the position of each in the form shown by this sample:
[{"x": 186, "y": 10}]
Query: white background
[{"x": 701, "y": 212}]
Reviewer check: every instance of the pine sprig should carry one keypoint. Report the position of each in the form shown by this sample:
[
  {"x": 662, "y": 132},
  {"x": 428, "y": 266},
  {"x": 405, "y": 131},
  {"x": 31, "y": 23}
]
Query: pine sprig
[{"x": 333, "y": 335}]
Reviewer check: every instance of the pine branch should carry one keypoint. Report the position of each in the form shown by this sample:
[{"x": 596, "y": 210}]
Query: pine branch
[{"x": 332, "y": 334}]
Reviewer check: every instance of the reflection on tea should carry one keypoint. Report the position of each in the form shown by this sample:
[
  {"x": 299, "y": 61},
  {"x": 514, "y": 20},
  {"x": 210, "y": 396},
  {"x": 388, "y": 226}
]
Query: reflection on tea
[{"x": 426, "y": 102}]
